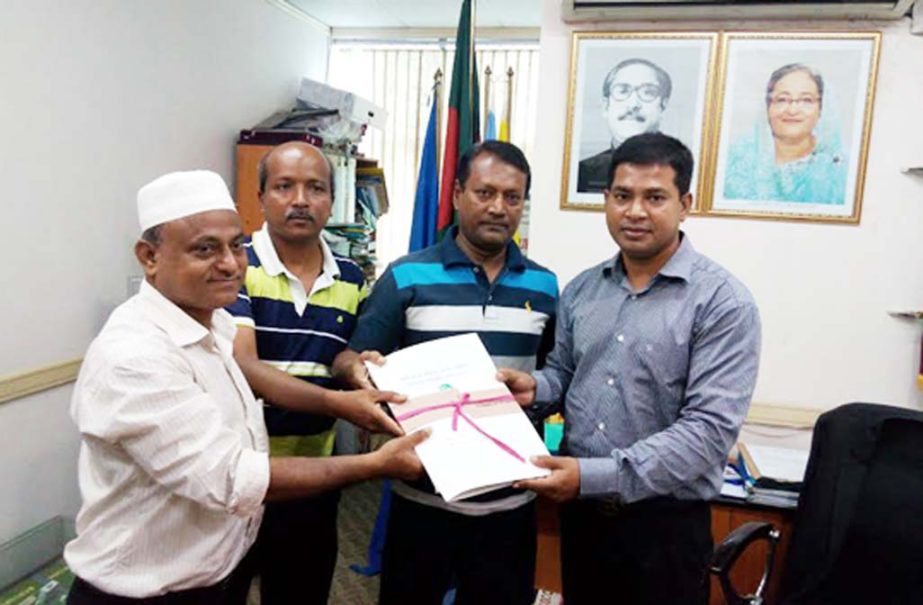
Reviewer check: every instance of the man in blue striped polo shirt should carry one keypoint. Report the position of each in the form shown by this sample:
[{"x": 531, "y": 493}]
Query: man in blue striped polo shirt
[
  {"x": 295, "y": 313},
  {"x": 475, "y": 280}
]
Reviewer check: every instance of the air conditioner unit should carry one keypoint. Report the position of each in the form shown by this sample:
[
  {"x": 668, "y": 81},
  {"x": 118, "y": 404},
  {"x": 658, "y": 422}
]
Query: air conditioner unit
[{"x": 609, "y": 10}]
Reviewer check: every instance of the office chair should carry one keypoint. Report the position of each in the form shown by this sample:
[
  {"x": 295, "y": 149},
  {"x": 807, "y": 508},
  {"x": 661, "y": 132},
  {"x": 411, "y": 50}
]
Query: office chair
[{"x": 858, "y": 530}]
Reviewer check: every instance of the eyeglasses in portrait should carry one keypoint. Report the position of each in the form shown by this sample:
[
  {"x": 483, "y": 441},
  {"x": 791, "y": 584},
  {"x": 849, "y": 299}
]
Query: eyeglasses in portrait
[
  {"x": 628, "y": 83},
  {"x": 794, "y": 125}
]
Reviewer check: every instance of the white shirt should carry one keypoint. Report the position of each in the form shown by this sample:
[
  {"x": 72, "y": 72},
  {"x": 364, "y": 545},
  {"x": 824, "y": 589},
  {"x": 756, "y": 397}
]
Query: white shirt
[
  {"x": 173, "y": 463},
  {"x": 272, "y": 265}
]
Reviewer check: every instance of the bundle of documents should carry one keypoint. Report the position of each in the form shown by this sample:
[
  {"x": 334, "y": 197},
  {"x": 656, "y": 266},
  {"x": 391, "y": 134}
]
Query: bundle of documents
[
  {"x": 352, "y": 234},
  {"x": 772, "y": 475},
  {"x": 343, "y": 210},
  {"x": 353, "y": 241},
  {"x": 372, "y": 194},
  {"x": 481, "y": 439}
]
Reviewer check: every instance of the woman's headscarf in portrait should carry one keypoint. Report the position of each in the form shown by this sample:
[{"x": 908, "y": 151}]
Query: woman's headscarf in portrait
[{"x": 820, "y": 177}]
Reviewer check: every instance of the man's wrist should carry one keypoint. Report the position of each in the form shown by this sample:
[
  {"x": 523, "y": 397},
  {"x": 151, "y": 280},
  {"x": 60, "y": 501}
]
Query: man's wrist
[
  {"x": 376, "y": 464},
  {"x": 334, "y": 402},
  {"x": 343, "y": 365}
]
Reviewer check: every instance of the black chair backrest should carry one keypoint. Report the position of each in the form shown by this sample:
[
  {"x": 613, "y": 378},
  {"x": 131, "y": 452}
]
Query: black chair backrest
[{"x": 858, "y": 534}]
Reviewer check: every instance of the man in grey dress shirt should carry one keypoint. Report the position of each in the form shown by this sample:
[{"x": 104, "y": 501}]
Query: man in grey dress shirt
[{"x": 655, "y": 360}]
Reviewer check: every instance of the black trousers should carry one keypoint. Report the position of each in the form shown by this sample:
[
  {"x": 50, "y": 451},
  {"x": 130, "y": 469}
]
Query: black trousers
[
  {"x": 649, "y": 553},
  {"x": 230, "y": 591},
  {"x": 491, "y": 558},
  {"x": 297, "y": 550}
]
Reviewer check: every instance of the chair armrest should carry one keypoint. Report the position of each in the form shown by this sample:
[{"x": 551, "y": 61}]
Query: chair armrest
[
  {"x": 736, "y": 542},
  {"x": 730, "y": 549}
]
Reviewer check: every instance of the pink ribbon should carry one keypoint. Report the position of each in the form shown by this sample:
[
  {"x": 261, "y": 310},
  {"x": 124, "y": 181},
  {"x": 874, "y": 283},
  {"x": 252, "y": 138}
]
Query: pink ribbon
[{"x": 457, "y": 413}]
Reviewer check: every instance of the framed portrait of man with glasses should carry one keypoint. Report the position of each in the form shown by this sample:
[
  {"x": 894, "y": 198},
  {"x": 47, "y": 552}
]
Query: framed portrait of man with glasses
[
  {"x": 794, "y": 125},
  {"x": 628, "y": 83}
]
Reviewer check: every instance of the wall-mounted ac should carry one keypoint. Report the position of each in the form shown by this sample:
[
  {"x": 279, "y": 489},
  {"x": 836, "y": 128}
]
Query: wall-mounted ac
[{"x": 609, "y": 10}]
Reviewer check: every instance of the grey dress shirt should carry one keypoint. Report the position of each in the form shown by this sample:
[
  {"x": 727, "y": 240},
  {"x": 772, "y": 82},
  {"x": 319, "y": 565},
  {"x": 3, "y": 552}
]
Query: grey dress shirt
[{"x": 655, "y": 383}]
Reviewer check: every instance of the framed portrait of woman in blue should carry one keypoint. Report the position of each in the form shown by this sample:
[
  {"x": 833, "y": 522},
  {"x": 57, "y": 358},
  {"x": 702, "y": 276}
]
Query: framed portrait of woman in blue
[{"x": 793, "y": 128}]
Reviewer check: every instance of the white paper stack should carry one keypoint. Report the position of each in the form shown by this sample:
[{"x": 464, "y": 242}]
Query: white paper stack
[{"x": 461, "y": 461}]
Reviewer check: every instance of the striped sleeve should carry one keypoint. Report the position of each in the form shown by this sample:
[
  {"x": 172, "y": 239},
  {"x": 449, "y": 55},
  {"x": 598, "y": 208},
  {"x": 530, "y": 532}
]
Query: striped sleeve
[
  {"x": 242, "y": 309},
  {"x": 381, "y": 325}
]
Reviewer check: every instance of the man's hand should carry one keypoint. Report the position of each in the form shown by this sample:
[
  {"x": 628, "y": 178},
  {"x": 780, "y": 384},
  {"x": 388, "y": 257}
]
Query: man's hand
[
  {"x": 561, "y": 485},
  {"x": 397, "y": 458},
  {"x": 520, "y": 384},
  {"x": 361, "y": 408},
  {"x": 349, "y": 367}
]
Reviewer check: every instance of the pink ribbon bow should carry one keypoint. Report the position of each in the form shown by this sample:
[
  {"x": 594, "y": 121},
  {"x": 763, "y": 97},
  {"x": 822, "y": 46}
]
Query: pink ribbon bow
[{"x": 457, "y": 413}]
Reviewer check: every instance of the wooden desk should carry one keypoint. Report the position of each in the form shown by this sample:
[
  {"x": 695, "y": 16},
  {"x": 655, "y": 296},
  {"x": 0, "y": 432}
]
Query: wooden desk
[{"x": 725, "y": 516}]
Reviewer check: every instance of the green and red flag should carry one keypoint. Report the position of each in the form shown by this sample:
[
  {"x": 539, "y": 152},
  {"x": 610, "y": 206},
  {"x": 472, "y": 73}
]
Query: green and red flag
[{"x": 463, "y": 123}]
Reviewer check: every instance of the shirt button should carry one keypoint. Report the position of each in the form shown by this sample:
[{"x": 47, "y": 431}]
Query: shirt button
[
  {"x": 610, "y": 382},
  {"x": 634, "y": 297},
  {"x": 477, "y": 269},
  {"x": 601, "y": 426},
  {"x": 620, "y": 338}
]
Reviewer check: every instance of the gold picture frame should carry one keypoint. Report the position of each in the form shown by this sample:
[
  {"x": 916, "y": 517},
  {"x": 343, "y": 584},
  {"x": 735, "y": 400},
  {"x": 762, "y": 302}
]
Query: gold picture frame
[
  {"x": 791, "y": 135},
  {"x": 674, "y": 72}
]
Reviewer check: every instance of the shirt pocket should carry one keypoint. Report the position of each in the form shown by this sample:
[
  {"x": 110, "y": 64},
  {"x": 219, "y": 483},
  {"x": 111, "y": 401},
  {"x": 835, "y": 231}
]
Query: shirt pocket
[{"x": 662, "y": 361}]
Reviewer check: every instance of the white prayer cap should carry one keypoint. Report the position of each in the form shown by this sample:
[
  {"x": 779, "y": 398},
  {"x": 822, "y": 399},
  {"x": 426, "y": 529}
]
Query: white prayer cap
[{"x": 180, "y": 194}]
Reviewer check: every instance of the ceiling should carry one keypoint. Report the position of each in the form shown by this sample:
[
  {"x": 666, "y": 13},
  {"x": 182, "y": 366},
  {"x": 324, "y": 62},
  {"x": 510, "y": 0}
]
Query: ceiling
[{"x": 419, "y": 13}]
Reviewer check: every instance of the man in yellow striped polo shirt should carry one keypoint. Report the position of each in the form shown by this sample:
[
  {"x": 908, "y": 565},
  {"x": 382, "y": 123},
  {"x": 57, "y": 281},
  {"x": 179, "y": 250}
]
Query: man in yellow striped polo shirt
[{"x": 295, "y": 313}]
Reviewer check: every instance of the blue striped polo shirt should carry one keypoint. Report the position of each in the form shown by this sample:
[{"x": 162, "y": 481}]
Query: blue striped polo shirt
[
  {"x": 439, "y": 292},
  {"x": 299, "y": 333}
]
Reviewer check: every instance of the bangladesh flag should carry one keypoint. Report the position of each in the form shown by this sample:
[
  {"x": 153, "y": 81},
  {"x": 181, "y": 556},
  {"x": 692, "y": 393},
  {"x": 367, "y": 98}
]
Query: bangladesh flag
[{"x": 462, "y": 125}]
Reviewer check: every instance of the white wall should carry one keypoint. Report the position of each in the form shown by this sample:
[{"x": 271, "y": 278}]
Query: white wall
[
  {"x": 99, "y": 97},
  {"x": 823, "y": 290}
]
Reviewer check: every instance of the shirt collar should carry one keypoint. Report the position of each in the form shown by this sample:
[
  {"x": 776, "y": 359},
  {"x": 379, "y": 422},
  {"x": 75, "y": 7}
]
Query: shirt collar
[
  {"x": 179, "y": 325},
  {"x": 269, "y": 258},
  {"x": 679, "y": 265},
  {"x": 451, "y": 254}
]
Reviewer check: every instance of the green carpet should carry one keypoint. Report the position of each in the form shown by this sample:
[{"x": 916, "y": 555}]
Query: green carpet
[{"x": 46, "y": 586}]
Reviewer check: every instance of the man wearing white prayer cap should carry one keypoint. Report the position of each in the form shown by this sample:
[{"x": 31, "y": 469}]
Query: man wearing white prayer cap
[{"x": 173, "y": 464}]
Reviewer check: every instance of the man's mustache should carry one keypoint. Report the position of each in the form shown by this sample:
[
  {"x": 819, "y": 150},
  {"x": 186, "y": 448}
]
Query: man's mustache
[
  {"x": 299, "y": 214},
  {"x": 632, "y": 114}
]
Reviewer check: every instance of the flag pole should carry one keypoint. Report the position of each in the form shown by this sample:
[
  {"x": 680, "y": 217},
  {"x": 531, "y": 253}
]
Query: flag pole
[
  {"x": 487, "y": 73},
  {"x": 472, "y": 72},
  {"x": 509, "y": 103},
  {"x": 437, "y": 99}
]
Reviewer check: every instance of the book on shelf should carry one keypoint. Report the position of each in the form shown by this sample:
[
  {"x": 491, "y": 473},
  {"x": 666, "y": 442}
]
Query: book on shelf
[{"x": 371, "y": 181}]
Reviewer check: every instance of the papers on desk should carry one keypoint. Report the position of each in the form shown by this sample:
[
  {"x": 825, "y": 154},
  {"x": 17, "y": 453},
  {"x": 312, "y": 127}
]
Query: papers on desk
[
  {"x": 772, "y": 475},
  {"x": 733, "y": 486},
  {"x": 780, "y": 464},
  {"x": 481, "y": 438}
]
